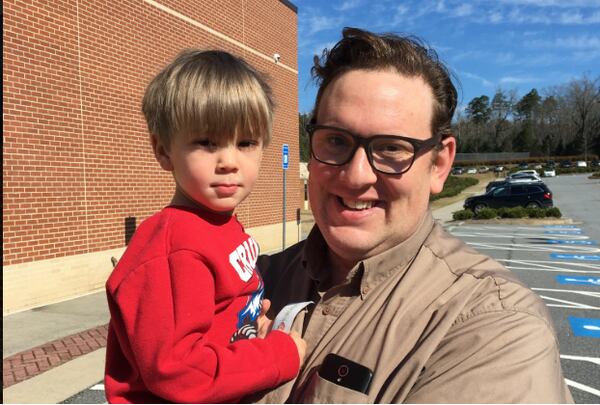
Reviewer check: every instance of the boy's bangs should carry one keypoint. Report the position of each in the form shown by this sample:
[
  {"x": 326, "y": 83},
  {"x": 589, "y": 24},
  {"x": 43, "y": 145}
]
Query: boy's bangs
[{"x": 225, "y": 110}]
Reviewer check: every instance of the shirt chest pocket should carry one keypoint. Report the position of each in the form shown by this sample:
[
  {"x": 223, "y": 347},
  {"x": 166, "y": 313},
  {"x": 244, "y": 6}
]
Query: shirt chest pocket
[{"x": 319, "y": 390}]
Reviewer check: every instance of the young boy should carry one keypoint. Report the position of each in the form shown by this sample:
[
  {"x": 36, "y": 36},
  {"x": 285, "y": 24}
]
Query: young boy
[{"x": 185, "y": 298}]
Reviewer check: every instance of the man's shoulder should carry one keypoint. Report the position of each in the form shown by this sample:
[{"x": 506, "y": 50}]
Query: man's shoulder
[{"x": 491, "y": 286}]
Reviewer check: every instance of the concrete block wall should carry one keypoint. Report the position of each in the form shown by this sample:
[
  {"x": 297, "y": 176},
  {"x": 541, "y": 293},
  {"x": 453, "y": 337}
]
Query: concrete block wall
[{"x": 77, "y": 160}]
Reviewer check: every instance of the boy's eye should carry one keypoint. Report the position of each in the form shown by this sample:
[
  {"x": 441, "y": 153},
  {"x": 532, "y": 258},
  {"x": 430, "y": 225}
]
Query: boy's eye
[
  {"x": 247, "y": 143},
  {"x": 205, "y": 143}
]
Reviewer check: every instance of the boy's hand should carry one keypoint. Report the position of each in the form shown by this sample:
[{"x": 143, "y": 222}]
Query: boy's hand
[
  {"x": 264, "y": 324},
  {"x": 300, "y": 345}
]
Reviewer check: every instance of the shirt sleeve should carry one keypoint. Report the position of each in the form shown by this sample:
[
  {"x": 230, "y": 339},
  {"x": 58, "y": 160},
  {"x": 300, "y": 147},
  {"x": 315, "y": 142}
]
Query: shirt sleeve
[
  {"x": 495, "y": 357},
  {"x": 167, "y": 307}
]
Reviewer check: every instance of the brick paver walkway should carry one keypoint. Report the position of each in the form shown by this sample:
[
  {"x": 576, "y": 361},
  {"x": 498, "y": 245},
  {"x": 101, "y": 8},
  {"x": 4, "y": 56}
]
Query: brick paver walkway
[{"x": 29, "y": 363}]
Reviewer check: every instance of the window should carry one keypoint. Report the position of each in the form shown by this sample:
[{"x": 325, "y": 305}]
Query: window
[{"x": 519, "y": 190}]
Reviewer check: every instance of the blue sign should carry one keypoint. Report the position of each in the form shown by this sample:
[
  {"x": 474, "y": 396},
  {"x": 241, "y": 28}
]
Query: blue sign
[
  {"x": 286, "y": 156},
  {"x": 570, "y": 256},
  {"x": 578, "y": 280},
  {"x": 571, "y": 242},
  {"x": 588, "y": 327},
  {"x": 560, "y": 226},
  {"x": 573, "y": 232}
]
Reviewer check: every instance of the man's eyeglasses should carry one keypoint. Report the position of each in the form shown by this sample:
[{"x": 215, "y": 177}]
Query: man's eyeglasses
[{"x": 389, "y": 154}]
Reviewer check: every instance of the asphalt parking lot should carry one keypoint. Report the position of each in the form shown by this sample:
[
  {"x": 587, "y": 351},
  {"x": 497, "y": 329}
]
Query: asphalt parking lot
[{"x": 561, "y": 263}]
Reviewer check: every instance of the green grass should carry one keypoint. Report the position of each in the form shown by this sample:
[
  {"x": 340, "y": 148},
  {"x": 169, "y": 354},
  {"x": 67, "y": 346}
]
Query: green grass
[{"x": 453, "y": 186}]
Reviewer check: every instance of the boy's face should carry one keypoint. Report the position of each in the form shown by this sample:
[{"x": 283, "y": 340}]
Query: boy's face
[{"x": 212, "y": 176}]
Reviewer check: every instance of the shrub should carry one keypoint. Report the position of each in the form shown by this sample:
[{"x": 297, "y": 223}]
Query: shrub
[
  {"x": 486, "y": 213},
  {"x": 536, "y": 212},
  {"x": 462, "y": 215},
  {"x": 453, "y": 186},
  {"x": 503, "y": 212},
  {"x": 515, "y": 212},
  {"x": 553, "y": 212}
]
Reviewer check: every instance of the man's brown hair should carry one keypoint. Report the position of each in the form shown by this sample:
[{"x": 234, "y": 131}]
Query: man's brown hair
[{"x": 363, "y": 50}]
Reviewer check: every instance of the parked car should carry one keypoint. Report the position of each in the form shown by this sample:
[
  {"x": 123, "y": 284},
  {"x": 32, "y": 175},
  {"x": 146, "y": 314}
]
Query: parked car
[
  {"x": 512, "y": 195},
  {"x": 521, "y": 172},
  {"x": 499, "y": 169},
  {"x": 522, "y": 178},
  {"x": 523, "y": 166},
  {"x": 483, "y": 169},
  {"x": 595, "y": 163},
  {"x": 457, "y": 170},
  {"x": 537, "y": 166},
  {"x": 471, "y": 170},
  {"x": 565, "y": 164},
  {"x": 581, "y": 163},
  {"x": 549, "y": 171}
]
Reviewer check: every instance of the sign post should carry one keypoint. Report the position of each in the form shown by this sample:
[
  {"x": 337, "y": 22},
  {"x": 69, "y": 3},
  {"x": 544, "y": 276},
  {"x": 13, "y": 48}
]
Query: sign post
[{"x": 284, "y": 164}]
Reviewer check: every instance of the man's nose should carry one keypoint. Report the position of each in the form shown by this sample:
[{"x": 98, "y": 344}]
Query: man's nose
[
  {"x": 358, "y": 171},
  {"x": 227, "y": 159}
]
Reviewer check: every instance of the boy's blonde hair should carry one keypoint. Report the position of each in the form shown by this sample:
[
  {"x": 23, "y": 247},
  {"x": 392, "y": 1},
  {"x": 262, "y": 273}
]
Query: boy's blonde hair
[{"x": 211, "y": 93}]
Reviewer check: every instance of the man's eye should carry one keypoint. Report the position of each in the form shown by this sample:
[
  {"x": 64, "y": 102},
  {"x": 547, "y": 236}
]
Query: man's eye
[{"x": 336, "y": 140}]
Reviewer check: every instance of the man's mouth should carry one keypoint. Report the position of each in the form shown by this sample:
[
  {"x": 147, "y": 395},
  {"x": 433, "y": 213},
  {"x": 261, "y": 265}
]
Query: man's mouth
[{"x": 357, "y": 205}]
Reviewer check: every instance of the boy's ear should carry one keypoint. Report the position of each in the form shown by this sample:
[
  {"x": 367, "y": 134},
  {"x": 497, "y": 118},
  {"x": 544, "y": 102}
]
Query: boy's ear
[
  {"x": 161, "y": 153},
  {"x": 442, "y": 165}
]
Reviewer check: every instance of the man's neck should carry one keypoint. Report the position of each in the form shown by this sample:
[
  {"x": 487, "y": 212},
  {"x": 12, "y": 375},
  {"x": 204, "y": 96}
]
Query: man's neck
[{"x": 340, "y": 267}]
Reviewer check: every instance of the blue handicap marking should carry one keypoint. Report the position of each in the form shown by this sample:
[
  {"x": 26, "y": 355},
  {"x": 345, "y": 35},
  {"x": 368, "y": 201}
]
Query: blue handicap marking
[
  {"x": 571, "y": 242},
  {"x": 571, "y": 256},
  {"x": 560, "y": 226},
  {"x": 570, "y": 232},
  {"x": 588, "y": 327},
  {"x": 578, "y": 280}
]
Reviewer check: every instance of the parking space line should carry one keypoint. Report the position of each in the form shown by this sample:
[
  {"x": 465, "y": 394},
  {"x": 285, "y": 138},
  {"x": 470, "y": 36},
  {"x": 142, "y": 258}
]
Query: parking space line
[
  {"x": 595, "y": 360},
  {"x": 549, "y": 264},
  {"x": 571, "y": 304},
  {"x": 582, "y": 387}
]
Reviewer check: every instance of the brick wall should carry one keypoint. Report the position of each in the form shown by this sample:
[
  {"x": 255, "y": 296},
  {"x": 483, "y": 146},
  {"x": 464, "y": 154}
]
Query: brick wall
[{"x": 77, "y": 161}]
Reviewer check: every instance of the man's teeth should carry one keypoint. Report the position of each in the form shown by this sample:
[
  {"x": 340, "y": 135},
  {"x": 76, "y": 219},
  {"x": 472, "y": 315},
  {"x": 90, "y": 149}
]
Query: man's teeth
[{"x": 357, "y": 205}]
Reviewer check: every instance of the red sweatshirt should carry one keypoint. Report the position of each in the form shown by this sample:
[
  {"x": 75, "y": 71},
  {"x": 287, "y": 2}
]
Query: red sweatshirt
[{"x": 183, "y": 300}]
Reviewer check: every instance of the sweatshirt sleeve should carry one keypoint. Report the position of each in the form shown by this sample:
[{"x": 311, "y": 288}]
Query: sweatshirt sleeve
[{"x": 167, "y": 307}]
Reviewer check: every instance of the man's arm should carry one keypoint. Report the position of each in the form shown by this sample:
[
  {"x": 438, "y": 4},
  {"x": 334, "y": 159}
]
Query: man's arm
[{"x": 501, "y": 356}]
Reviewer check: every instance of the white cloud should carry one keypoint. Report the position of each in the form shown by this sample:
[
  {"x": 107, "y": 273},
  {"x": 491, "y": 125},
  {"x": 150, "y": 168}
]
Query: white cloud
[
  {"x": 517, "y": 80},
  {"x": 571, "y": 42},
  {"x": 552, "y": 3},
  {"x": 313, "y": 23},
  {"x": 348, "y": 5},
  {"x": 463, "y": 10},
  {"x": 400, "y": 14},
  {"x": 483, "y": 80}
]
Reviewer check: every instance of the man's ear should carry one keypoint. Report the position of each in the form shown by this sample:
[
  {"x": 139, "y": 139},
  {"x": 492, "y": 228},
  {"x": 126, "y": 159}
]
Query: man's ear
[
  {"x": 161, "y": 153},
  {"x": 442, "y": 164}
]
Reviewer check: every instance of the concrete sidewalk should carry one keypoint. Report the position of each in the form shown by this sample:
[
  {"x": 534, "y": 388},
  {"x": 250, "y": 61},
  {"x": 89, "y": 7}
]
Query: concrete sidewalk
[{"x": 53, "y": 352}]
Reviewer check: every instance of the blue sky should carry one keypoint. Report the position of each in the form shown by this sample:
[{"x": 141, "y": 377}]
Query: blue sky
[{"x": 487, "y": 44}]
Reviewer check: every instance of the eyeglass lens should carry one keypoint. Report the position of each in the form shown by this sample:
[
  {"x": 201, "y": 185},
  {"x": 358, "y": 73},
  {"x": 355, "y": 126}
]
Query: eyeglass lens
[{"x": 386, "y": 153}]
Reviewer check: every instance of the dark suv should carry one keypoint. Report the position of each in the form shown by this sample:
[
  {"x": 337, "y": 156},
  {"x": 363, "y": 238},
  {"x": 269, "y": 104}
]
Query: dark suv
[{"x": 512, "y": 195}]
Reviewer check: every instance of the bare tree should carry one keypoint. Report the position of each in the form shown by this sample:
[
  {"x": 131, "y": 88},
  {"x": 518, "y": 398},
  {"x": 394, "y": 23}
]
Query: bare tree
[{"x": 584, "y": 97}]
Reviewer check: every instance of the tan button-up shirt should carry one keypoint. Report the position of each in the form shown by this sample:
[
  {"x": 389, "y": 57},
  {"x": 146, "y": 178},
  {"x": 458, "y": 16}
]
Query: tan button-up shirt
[{"x": 436, "y": 322}]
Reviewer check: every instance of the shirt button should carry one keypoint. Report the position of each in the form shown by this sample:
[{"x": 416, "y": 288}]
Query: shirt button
[
  {"x": 326, "y": 311},
  {"x": 365, "y": 290}
]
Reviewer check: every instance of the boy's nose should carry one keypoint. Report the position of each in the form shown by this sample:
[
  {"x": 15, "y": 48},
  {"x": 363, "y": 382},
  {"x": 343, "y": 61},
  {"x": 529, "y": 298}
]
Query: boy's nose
[{"x": 227, "y": 160}]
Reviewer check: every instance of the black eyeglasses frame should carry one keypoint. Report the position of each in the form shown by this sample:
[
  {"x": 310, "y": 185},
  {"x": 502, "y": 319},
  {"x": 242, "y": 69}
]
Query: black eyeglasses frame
[{"x": 420, "y": 146}]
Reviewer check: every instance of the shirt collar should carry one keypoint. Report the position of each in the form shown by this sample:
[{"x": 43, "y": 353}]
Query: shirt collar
[{"x": 372, "y": 270}]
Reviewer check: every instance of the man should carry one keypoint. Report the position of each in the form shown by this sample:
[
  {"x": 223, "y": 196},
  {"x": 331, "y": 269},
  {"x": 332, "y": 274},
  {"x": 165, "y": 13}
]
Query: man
[{"x": 406, "y": 312}]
